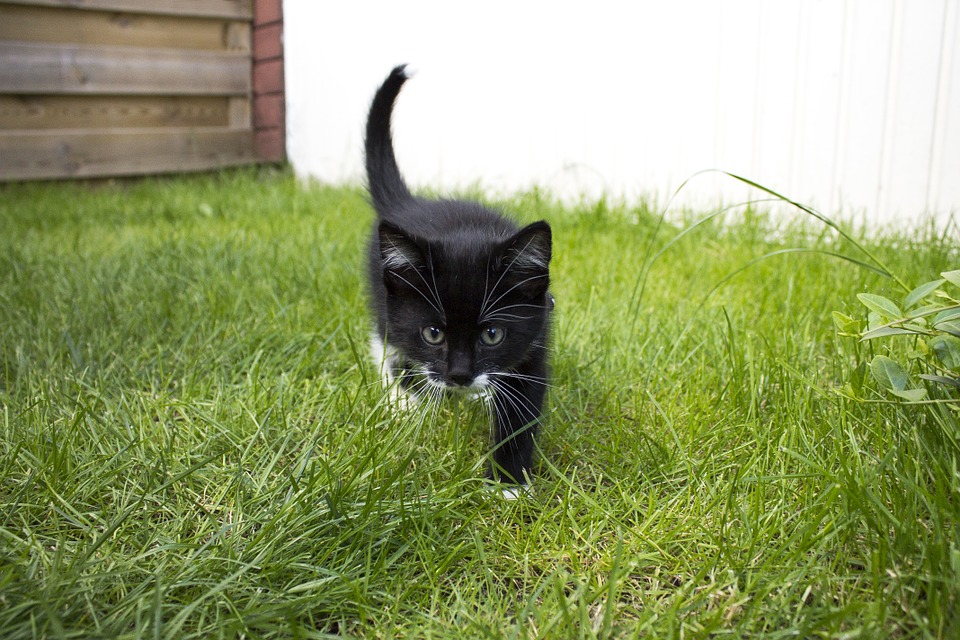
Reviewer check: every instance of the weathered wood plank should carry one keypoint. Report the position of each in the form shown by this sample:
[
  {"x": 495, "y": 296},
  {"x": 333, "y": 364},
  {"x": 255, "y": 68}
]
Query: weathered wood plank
[
  {"x": 237, "y": 36},
  {"x": 30, "y": 68},
  {"x": 92, "y": 88},
  {"x": 77, "y": 112},
  {"x": 238, "y": 9},
  {"x": 96, "y": 153},
  {"x": 239, "y": 110},
  {"x": 49, "y": 24}
]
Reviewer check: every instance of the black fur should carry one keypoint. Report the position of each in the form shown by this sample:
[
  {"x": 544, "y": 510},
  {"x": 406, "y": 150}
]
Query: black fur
[{"x": 449, "y": 279}]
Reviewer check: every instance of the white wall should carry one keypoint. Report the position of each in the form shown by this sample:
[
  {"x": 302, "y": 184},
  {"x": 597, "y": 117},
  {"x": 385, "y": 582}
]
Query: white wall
[{"x": 852, "y": 105}]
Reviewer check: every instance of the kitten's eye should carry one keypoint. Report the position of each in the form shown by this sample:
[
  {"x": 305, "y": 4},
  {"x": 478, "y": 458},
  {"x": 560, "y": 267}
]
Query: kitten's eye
[
  {"x": 432, "y": 335},
  {"x": 491, "y": 336}
]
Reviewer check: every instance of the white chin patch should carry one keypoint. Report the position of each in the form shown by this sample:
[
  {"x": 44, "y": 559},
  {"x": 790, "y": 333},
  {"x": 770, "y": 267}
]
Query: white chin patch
[
  {"x": 480, "y": 388},
  {"x": 434, "y": 383}
]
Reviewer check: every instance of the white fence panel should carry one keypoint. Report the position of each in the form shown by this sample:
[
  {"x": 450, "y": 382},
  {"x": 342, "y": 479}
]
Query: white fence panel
[{"x": 851, "y": 105}]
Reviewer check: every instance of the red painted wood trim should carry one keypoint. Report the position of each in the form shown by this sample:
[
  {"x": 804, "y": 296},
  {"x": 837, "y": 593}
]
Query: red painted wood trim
[
  {"x": 265, "y": 11},
  {"x": 269, "y": 123}
]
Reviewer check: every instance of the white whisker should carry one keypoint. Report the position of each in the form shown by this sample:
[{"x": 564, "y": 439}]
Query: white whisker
[
  {"x": 497, "y": 317},
  {"x": 522, "y": 405},
  {"x": 538, "y": 380},
  {"x": 523, "y": 304},
  {"x": 398, "y": 258},
  {"x": 506, "y": 293},
  {"x": 433, "y": 276},
  {"x": 422, "y": 294},
  {"x": 516, "y": 257}
]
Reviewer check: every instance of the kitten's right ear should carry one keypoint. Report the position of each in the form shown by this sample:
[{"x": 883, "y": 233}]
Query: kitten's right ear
[{"x": 398, "y": 251}]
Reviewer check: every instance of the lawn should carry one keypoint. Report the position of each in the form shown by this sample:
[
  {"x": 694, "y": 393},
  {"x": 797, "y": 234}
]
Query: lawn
[{"x": 193, "y": 442}]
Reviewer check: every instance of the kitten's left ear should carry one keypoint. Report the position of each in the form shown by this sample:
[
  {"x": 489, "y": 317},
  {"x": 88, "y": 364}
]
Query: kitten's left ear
[
  {"x": 398, "y": 251},
  {"x": 526, "y": 257},
  {"x": 400, "y": 255}
]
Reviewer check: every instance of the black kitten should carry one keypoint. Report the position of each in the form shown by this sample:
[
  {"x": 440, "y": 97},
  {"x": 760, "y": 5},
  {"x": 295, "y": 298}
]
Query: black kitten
[{"x": 460, "y": 297}]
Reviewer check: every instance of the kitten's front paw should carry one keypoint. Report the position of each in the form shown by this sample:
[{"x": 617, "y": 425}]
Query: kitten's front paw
[
  {"x": 510, "y": 491},
  {"x": 516, "y": 491}
]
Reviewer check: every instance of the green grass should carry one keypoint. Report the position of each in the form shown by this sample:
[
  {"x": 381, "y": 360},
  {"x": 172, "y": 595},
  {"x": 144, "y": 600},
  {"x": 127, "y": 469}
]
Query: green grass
[{"x": 193, "y": 443}]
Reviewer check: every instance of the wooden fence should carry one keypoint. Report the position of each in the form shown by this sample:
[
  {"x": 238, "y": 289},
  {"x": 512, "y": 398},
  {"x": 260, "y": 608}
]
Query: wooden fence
[{"x": 124, "y": 87}]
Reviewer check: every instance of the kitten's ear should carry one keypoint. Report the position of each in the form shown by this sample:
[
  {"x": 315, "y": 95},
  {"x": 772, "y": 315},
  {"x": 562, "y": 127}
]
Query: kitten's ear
[
  {"x": 526, "y": 257},
  {"x": 398, "y": 251},
  {"x": 529, "y": 250}
]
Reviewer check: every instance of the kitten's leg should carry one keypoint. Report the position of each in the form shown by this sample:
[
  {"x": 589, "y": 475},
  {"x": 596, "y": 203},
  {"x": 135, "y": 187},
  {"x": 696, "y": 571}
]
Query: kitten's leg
[
  {"x": 517, "y": 404},
  {"x": 394, "y": 379},
  {"x": 382, "y": 358}
]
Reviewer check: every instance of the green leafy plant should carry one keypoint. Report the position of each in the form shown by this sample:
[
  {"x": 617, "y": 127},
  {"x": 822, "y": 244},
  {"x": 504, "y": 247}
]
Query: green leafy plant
[{"x": 930, "y": 315}]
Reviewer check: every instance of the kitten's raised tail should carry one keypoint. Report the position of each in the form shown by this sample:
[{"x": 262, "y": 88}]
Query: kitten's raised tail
[{"x": 386, "y": 185}]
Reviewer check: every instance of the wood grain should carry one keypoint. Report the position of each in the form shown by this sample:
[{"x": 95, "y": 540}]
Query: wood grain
[
  {"x": 42, "y": 112},
  {"x": 87, "y": 153},
  {"x": 94, "y": 88},
  {"x": 31, "y": 68},
  {"x": 239, "y": 9},
  {"x": 47, "y": 24}
]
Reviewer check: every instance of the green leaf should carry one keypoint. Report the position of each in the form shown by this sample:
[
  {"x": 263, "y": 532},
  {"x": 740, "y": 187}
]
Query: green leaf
[
  {"x": 848, "y": 391},
  {"x": 875, "y": 320},
  {"x": 952, "y": 276},
  {"x": 921, "y": 292},
  {"x": 949, "y": 314},
  {"x": 883, "y": 332},
  {"x": 925, "y": 310},
  {"x": 910, "y": 395},
  {"x": 949, "y": 326},
  {"x": 845, "y": 324},
  {"x": 952, "y": 382},
  {"x": 884, "y": 306},
  {"x": 888, "y": 373},
  {"x": 947, "y": 349},
  {"x": 857, "y": 377}
]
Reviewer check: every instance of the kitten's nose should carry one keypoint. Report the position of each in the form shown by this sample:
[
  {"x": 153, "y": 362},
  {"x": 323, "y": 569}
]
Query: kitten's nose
[
  {"x": 460, "y": 379},
  {"x": 459, "y": 370}
]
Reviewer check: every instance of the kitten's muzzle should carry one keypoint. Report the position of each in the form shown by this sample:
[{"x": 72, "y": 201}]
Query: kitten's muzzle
[
  {"x": 459, "y": 369},
  {"x": 459, "y": 377},
  {"x": 476, "y": 387},
  {"x": 460, "y": 380}
]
